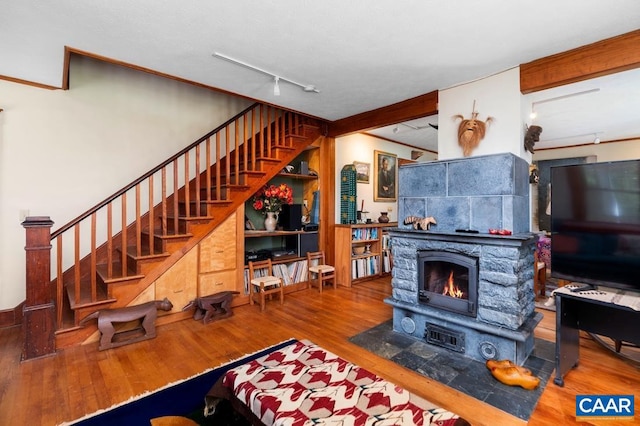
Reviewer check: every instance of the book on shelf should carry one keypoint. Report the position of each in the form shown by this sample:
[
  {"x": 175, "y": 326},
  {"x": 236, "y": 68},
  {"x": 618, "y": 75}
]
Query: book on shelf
[
  {"x": 386, "y": 261},
  {"x": 291, "y": 273},
  {"x": 365, "y": 266},
  {"x": 386, "y": 241},
  {"x": 361, "y": 234}
]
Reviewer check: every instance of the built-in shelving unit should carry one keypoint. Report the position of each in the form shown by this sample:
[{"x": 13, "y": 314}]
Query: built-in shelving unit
[
  {"x": 362, "y": 252},
  {"x": 287, "y": 249}
]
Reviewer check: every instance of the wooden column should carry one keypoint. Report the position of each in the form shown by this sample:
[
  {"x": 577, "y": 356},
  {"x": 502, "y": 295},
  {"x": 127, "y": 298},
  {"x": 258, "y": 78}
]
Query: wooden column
[{"x": 38, "y": 323}]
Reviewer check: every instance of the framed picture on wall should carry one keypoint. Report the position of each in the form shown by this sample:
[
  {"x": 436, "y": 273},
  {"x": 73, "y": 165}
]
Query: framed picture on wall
[
  {"x": 362, "y": 171},
  {"x": 385, "y": 176}
]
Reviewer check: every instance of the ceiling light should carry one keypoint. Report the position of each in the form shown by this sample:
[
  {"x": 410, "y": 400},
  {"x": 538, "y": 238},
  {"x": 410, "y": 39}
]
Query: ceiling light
[
  {"x": 309, "y": 88},
  {"x": 395, "y": 129},
  {"x": 276, "y": 87},
  {"x": 596, "y": 139}
]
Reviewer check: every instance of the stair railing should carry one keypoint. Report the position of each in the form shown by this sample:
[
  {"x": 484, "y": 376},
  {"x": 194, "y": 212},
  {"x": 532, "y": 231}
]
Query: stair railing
[{"x": 128, "y": 219}]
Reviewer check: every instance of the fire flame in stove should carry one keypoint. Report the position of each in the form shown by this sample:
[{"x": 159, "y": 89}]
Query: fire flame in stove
[{"x": 451, "y": 289}]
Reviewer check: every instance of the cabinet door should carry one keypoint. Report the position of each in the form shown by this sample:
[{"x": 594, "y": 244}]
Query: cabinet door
[
  {"x": 216, "y": 282},
  {"x": 218, "y": 250}
]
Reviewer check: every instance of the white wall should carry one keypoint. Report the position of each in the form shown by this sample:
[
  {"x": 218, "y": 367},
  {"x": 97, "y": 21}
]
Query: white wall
[
  {"x": 61, "y": 152},
  {"x": 496, "y": 96},
  {"x": 360, "y": 147}
]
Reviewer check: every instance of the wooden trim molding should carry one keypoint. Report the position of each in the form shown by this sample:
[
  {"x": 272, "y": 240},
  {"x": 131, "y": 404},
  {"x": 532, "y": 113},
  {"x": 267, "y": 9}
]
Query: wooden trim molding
[
  {"x": 11, "y": 317},
  {"x": 410, "y": 109},
  {"x": 28, "y": 83},
  {"x": 604, "y": 57}
]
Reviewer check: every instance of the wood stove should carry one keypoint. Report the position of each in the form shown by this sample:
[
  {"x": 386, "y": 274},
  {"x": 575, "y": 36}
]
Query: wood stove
[
  {"x": 491, "y": 314},
  {"x": 448, "y": 281}
]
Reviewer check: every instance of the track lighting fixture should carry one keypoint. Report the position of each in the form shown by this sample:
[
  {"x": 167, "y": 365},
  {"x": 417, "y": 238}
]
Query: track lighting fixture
[
  {"x": 309, "y": 88},
  {"x": 433, "y": 126},
  {"x": 534, "y": 114}
]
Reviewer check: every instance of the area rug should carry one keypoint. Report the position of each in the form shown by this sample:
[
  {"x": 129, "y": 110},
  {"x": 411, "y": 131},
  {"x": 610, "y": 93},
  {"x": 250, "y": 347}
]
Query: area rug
[
  {"x": 459, "y": 372},
  {"x": 184, "y": 398}
]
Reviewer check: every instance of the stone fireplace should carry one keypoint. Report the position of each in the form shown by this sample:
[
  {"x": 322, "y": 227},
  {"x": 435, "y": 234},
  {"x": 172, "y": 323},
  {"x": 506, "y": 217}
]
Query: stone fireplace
[{"x": 458, "y": 286}]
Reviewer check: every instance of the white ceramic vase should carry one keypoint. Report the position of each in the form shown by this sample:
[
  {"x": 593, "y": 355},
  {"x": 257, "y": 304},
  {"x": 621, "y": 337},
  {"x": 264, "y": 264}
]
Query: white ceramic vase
[{"x": 270, "y": 221}]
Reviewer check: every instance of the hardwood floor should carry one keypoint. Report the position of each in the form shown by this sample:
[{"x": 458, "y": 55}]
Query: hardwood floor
[{"x": 81, "y": 380}]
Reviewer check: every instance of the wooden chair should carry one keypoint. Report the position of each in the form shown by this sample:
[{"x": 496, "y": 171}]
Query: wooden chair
[
  {"x": 539, "y": 276},
  {"x": 317, "y": 265},
  {"x": 264, "y": 283}
]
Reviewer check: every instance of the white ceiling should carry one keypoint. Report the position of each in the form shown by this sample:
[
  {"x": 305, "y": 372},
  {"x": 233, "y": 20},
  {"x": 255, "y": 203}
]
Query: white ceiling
[{"x": 360, "y": 54}]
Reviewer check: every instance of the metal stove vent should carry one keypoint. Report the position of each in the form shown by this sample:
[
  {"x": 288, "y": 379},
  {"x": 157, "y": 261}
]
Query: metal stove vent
[{"x": 440, "y": 336}]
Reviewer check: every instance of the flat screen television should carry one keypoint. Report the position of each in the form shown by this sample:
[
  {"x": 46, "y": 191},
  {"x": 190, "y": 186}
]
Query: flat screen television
[{"x": 595, "y": 224}]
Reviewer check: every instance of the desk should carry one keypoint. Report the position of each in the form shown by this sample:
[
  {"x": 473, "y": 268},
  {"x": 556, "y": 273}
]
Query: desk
[{"x": 575, "y": 312}]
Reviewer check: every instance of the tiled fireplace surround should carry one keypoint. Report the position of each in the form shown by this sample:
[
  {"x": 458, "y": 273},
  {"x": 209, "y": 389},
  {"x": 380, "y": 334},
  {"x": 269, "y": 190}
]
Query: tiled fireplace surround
[{"x": 477, "y": 193}]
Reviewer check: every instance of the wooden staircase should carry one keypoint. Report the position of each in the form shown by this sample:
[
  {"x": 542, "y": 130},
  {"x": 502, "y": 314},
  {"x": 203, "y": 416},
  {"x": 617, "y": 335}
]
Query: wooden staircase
[{"x": 102, "y": 264}]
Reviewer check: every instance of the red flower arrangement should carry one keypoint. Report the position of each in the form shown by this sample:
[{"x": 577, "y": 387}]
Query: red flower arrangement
[{"x": 272, "y": 197}]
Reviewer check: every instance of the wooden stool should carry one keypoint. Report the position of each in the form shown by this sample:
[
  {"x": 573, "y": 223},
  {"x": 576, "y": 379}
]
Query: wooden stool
[
  {"x": 317, "y": 265},
  {"x": 264, "y": 283}
]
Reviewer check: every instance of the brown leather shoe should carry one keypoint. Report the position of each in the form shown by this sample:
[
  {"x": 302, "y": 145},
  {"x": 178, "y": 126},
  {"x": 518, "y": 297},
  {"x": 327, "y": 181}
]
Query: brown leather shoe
[{"x": 513, "y": 376}]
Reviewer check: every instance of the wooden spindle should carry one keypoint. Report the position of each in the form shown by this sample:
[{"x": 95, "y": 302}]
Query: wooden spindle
[
  {"x": 175, "y": 197},
  {"x": 123, "y": 235},
  {"x": 76, "y": 262},
  {"x": 109, "y": 241},
  {"x": 218, "y": 166},
  {"x": 187, "y": 195},
  {"x": 152, "y": 215},
  {"x": 138, "y": 223},
  {"x": 197, "y": 176},
  {"x": 164, "y": 201},
  {"x": 93, "y": 263}
]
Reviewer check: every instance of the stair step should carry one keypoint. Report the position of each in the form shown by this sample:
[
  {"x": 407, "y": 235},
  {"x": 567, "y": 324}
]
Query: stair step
[
  {"x": 226, "y": 190},
  {"x": 190, "y": 219},
  {"x": 144, "y": 254},
  {"x": 85, "y": 295},
  {"x": 116, "y": 274},
  {"x": 243, "y": 177}
]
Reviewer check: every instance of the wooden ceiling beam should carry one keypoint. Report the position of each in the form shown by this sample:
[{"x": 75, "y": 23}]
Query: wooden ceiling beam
[
  {"x": 604, "y": 57},
  {"x": 410, "y": 109}
]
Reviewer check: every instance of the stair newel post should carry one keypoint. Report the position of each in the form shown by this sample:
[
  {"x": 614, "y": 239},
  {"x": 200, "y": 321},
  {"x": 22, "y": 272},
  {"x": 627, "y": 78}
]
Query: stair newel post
[{"x": 38, "y": 322}]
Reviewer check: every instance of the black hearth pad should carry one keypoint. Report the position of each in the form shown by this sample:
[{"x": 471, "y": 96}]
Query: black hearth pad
[{"x": 459, "y": 372}]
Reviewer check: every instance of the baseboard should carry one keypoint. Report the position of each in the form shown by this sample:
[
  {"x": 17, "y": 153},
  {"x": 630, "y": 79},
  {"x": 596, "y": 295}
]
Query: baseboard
[{"x": 11, "y": 317}]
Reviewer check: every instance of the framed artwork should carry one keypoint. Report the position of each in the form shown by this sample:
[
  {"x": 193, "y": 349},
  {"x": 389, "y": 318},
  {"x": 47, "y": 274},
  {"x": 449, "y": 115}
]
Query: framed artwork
[
  {"x": 385, "y": 175},
  {"x": 362, "y": 171}
]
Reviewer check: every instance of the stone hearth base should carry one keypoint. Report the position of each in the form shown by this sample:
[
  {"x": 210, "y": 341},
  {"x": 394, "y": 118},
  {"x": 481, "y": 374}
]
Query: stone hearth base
[{"x": 477, "y": 340}]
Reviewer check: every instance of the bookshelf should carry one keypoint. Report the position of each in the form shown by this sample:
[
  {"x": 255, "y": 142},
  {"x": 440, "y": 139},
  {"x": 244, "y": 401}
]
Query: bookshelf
[
  {"x": 363, "y": 252},
  {"x": 289, "y": 250}
]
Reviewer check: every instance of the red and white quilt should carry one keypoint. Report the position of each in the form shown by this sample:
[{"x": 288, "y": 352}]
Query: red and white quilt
[{"x": 303, "y": 384}]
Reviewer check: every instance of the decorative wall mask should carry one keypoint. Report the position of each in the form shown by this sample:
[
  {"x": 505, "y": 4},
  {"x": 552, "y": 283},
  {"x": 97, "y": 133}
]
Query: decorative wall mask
[
  {"x": 471, "y": 131},
  {"x": 531, "y": 137}
]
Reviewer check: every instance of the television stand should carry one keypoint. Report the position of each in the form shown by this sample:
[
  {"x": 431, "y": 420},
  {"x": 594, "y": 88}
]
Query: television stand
[{"x": 593, "y": 312}]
